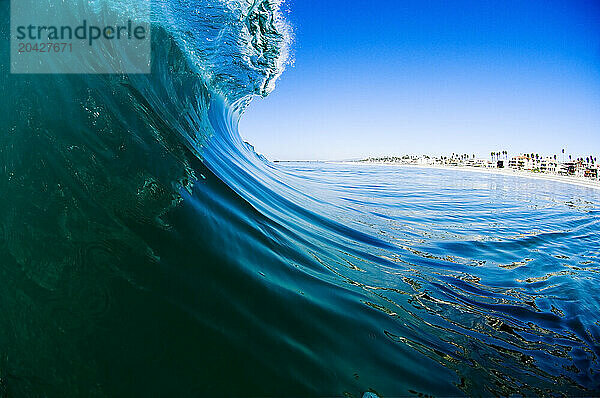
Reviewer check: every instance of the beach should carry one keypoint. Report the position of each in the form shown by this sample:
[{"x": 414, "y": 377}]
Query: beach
[{"x": 573, "y": 180}]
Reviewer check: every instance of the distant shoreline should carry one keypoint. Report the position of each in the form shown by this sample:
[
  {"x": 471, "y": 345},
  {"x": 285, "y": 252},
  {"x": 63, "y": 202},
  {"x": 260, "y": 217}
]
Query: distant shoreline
[{"x": 573, "y": 180}]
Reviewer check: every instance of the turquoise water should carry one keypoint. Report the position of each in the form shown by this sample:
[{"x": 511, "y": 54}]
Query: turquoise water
[
  {"x": 483, "y": 283},
  {"x": 146, "y": 250}
]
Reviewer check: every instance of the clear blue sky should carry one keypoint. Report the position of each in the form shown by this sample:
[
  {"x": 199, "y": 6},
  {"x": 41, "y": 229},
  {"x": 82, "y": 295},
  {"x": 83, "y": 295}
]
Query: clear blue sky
[{"x": 395, "y": 77}]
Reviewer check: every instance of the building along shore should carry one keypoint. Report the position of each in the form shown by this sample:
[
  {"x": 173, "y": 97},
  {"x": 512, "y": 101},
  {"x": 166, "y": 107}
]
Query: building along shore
[{"x": 581, "y": 171}]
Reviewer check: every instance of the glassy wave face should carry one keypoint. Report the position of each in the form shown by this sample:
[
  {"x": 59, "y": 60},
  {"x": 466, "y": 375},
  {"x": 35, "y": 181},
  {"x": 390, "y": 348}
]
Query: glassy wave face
[{"x": 146, "y": 250}]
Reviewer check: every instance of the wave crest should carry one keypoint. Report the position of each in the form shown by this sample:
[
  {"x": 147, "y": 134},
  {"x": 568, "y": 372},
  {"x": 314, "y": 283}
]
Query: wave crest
[{"x": 239, "y": 47}]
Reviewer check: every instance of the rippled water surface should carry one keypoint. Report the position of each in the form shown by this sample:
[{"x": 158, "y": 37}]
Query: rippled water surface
[{"x": 489, "y": 283}]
